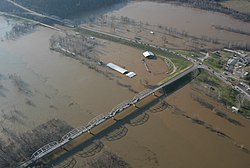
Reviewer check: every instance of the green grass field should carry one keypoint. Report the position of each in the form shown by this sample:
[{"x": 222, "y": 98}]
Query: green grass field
[{"x": 228, "y": 96}]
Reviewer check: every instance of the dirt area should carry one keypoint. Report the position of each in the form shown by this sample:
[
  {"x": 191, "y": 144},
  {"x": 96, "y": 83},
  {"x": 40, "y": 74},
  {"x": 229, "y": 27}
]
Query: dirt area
[
  {"x": 96, "y": 53},
  {"x": 238, "y": 5},
  {"x": 132, "y": 60}
]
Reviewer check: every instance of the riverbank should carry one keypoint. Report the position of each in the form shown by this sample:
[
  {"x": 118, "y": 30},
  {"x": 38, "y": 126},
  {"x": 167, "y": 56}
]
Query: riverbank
[{"x": 227, "y": 8}]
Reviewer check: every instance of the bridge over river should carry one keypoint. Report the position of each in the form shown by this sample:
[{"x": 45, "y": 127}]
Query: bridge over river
[{"x": 76, "y": 132}]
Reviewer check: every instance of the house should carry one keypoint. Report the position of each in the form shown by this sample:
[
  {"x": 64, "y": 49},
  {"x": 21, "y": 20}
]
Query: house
[
  {"x": 148, "y": 54},
  {"x": 231, "y": 63}
]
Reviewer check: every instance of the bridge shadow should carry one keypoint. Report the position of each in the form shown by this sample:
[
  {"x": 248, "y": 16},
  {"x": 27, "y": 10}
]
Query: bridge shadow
[
  {"x": 181, "y": 82},
  {"x": 92, "y": 149},
  {"x": 69, "y": 163},
  {"x": 161, "y": 106},
  {"x": 114, "y": 132},
  {"x": 139, "y": 120},
  {"x": 117, "y": 134}
]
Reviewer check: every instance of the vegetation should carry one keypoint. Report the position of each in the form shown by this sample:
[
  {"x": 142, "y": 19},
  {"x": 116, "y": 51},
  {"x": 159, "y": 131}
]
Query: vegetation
[
  {"x": 107, "y": 159},
  {"x": 75, "y": 45},
  {"x": 230, "y": 29},
  {"x": 64, "y": 8},
  {"x": 238, "y": 5},
  {"x": 19, "y": 30},
  {"x": 19, "y": 147},
  {"x": 218, "y": 60},
  {"x": 178, "y": 61},
  {"x": 191, "y": 54},
  {"x": 5, "y": 6},
  {"x": 215, "y": 62},
  {"x": 225, "y": 94},
  {"x": 212, "y": 5}
]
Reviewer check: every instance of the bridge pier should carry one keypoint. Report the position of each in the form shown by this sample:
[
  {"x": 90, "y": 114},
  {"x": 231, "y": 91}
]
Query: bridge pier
[
  {"x": 114, "y": 119},
  {"x": 91, "y": 133},
  {"x": 163, "y": 91}
]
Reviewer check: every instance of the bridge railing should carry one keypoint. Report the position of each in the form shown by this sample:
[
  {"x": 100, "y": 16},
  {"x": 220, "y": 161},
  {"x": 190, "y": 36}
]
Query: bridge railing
[
  {"x": 41, "y": 152},
  {"x": 44, "y": 149}
]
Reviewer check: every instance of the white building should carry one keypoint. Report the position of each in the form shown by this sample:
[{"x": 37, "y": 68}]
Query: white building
[
  {"x": 235, "y": 109},
  {"x": 117, "y": 68},
  {"x": 148, "y": 54},
  {"x": 121, "y": 70}
]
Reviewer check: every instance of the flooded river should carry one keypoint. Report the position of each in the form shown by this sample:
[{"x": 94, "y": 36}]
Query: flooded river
[
  {"x": 60, "y": 87},
  {"x": 37, "y": 84},
  {"x": 194, "y": 21},
  {"x": 178, "y": 131}
]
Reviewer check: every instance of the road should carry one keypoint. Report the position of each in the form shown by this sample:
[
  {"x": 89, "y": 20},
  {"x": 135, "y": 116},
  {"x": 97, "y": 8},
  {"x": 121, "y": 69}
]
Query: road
[{"x": 33, "y": 12}]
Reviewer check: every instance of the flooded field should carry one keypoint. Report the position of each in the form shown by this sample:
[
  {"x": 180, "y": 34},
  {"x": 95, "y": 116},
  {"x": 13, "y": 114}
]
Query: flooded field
[
  {"x": 4, "y": 27},
  {"x": 184, "y": 129},
  {"x": 56, "y": 86},
  {"x": 132, "y": 60},
  {"x": 178, "y": 132},
  {"x": 44, "y": 84},
  {"x": 194, "y": 21}
]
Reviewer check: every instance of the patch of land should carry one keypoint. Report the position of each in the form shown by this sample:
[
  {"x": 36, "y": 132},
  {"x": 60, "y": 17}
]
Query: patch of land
[
  {"x": 238, "y": 5},
  {"x": 222, "y": 93}
]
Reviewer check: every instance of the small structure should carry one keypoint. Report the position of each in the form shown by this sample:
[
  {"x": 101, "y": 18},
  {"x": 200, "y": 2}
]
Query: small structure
[
  {"x": 131, "y": 74},
  {"x": 231, "y": 64},
  {"x": 151, "y": 32},
  {"x": 117, "y": 68},
  {"x": 121, "y": 70},
  {"x": 148, "y": 54},
  {"x": 235, "y": 109}
]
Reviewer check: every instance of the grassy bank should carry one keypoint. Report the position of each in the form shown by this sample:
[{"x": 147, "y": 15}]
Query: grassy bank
[
  {"x": 221, "y": 91},
  {"x": 215, "y": 62}
]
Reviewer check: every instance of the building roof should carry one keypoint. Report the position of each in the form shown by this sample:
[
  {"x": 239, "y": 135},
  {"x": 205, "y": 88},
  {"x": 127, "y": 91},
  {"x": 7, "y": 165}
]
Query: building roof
[
  {"x": 148, "y": 54},
  {"x": 131, "y": 74},
  {"x": 117, "y": 68}
]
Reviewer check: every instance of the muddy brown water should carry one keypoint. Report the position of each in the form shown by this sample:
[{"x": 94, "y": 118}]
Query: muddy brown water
[
  {"x": 167, "y": 138},
  {"x": 173, "y": 138},
  {"x": 194, "y": 21},
  {"x": 65, "y": 89},
  {"x": 61, "y": 86}
]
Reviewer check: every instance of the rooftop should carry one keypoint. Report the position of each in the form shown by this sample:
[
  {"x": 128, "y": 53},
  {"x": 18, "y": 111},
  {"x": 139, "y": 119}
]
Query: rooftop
[
  {"x": 117, "y": 68},
  {"x": 148, "y": 54}
]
